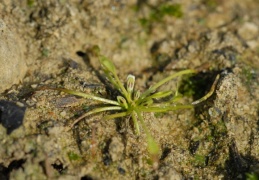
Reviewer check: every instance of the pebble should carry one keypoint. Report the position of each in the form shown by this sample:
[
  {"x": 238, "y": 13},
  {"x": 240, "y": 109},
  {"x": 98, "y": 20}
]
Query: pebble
[
  {"x": 248, "y": 31},
  {"x": 63, "y": 114}
]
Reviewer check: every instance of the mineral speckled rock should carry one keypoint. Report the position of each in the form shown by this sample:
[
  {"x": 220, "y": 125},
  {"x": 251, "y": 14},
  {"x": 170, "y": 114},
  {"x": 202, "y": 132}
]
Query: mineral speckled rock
[{"x": 12, "y": 64}]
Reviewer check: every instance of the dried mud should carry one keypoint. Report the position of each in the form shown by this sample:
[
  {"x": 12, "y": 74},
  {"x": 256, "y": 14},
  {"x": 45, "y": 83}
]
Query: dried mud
[{"x": 217, "y": 139}]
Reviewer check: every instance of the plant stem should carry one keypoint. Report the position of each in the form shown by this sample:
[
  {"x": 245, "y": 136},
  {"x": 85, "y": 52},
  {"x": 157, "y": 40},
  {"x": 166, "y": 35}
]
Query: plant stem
[
  {"x": 123, "y": 89},
  {"x": 135, "y": 122}
]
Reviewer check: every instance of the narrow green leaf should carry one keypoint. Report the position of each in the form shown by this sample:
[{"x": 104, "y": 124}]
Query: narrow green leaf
[
  {"x": 161, "y": 108},
  {"x": 116, "y": 115},
  {"x": 88, "y": 96},
  {"x": 165, "y": 80},
  {"x": 153, "y": 147},
  {"x": 97, "y": 110},
  {"x": 157, "y": 95},
  {"x": 107, "y": 64},
  {"x": 135, "y": 122}
]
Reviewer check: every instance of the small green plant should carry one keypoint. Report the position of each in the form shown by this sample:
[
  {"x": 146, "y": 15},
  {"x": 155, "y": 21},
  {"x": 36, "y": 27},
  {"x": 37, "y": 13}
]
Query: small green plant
[
  {"x": 252, "y": 176},
  {"x": 132, "y": 102},
  {"x": 199, "y": 160},
  {"x": 73, "y": 156},
  {"x": 157, "y": 13},
  {"x": 30, "y": 3}
]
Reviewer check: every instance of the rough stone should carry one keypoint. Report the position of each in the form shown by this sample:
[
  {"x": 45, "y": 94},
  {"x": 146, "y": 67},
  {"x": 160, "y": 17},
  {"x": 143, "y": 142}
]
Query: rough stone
[{"x": 13, "y": 66}]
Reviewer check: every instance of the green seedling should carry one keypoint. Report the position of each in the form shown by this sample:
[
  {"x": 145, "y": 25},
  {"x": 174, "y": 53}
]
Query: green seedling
[
  {"x": 132, "y": 102},
  {"x": 158, "y": 12},
  {"x": 252, "y": 176}
]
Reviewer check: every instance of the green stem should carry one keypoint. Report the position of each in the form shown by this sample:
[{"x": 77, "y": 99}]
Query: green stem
[
  {"x": 112, "y": 80},
  {"x": 123, "y": 89},
  {"x": 135, "y": 122}
]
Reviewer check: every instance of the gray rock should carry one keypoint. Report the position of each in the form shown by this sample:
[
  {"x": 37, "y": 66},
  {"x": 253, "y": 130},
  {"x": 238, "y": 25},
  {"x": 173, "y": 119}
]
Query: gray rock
[{"x": 12, "y": 63}]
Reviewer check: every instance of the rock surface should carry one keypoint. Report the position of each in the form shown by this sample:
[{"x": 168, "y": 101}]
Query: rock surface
[
  {"x": 217, "y": 139},
  {"x": 12, "y": 63}
]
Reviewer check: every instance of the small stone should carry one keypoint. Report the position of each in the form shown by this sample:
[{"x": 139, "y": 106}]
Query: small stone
[
  {"x": 248, "y": 31},
  {"x": 19, "y": 104},
  {"x": 34, "y": 86},
  {"x": 63, "y": 113},
  {"x": 116, "y": 149}
]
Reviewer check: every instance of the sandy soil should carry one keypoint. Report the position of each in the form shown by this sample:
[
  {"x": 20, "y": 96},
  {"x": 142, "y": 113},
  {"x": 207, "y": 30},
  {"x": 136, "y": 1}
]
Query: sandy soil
[{"x": 151, "y": 39}]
